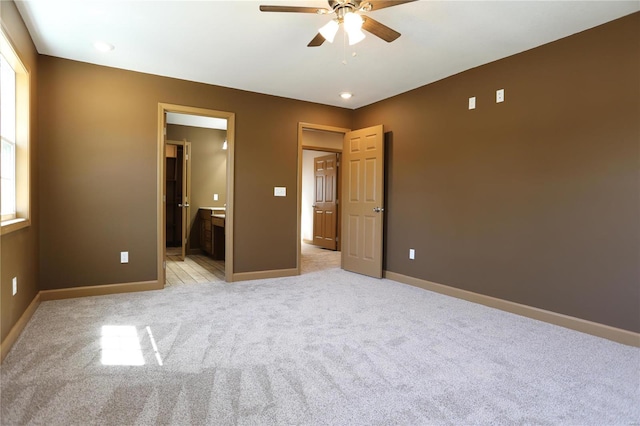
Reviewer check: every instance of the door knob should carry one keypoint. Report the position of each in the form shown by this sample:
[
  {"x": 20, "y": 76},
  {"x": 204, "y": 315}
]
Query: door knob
[{"x": 378, "y": 209}]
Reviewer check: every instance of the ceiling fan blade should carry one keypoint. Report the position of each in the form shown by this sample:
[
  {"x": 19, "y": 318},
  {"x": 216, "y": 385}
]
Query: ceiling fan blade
[
  {"x": 380, "y": 30},
  {"x": 317, "y": 41},
  {"x": 381, "y": 4},
  {"x": 296, "y": 9}
]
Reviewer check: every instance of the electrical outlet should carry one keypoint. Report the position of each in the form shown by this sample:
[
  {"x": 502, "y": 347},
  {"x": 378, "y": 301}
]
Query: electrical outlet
[
  {"x": 14, "y": 283},
  {"x": 124, "y": 257},
  {"x": 412, "y": 254},
  {"x": 215, "y": 197}
]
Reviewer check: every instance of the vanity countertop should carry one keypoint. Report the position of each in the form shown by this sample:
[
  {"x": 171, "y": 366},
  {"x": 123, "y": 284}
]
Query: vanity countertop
[{"x": 216, "y": 211}]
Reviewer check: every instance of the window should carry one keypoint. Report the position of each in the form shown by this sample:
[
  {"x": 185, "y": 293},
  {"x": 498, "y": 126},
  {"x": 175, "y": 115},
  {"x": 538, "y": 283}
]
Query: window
[
  {"x": 8, "y": 130},
  {"x": 14, "y": 133}
]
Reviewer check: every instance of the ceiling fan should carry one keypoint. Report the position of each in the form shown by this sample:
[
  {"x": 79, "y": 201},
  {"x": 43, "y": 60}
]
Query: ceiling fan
[{"x": 349, "y": 14}]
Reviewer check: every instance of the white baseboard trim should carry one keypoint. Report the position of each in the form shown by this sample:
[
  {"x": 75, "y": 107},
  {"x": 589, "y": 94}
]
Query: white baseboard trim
[
  {"x": 259, "y": 275},
  {"x": 99, "y": 290},
  {"x": 612, "y": 333},
  {"x": 16, "y": 330}
]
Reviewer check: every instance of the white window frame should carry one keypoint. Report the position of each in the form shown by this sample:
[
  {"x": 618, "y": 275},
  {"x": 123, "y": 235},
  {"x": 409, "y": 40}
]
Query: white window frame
[{"x": 21, "y": 152}]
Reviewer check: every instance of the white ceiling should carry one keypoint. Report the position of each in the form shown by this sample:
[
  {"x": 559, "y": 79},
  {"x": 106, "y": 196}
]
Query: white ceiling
[
  {"x": 196, "y": 121},
  {"x": 233, "y": 44}
]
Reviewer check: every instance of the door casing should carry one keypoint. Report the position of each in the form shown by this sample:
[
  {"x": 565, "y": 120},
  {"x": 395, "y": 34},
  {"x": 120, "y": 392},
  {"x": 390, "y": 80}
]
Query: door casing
[{"x": 163, "y": 109}]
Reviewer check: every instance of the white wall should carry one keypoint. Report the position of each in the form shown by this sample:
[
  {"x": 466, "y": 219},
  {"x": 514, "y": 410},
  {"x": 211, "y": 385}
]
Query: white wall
[{"x": 307, "y": 195}]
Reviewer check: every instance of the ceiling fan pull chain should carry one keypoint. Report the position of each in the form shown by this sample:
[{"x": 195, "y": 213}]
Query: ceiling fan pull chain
[{"x": 344, "y": 48}]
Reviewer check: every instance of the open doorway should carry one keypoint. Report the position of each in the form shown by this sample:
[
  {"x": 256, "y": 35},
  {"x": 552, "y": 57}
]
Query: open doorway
[
  {"x": 196, "y": 198},
  {"x": 319, "y": 149},
  {"x": 320, "y": 214},
  {"x": 195, "y": 208}
]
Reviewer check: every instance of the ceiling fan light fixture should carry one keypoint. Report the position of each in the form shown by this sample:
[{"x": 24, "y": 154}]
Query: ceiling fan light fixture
[
  {"x": 352, "y": 22},
  {"x": 353, "y": 27},
  {"x": 329, "y": 30},
  {"x": 355, "y": 37}
]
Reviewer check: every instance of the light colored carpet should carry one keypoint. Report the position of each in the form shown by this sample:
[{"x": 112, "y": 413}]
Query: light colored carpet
[
  {"x": 315, "y": 259},
  {"x": 325, "y": 348}
]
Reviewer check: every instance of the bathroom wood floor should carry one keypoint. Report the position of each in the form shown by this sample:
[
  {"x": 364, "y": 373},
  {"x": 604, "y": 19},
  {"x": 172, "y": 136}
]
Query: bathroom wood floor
[
  {"x": 203, "y": 269},
  {"x": 195, "y": 269}
]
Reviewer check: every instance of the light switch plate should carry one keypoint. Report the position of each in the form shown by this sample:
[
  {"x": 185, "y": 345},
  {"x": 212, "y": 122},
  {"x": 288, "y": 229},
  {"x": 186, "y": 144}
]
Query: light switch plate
[
  {"x": 472, "y": 102},
  {"x": 215, "y": 197},
  {"x": 412, "y": 254},
  {"x": 279, "y": 191},
  {"x": 499, "y": 96},
  {"x": 124, "y": 257}
]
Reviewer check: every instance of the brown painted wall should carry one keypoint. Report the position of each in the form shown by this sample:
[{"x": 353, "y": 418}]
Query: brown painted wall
[
  {"x": 98, "y": 128},
  {"x": 535, "y": 200},
  {"x": 208, "y": 171},
  {"x": 19, "y": 249}
]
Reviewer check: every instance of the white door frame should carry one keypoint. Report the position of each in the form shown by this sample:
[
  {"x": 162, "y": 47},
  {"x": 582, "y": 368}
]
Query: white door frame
[
  {"x": 163, "y": 109},
  {"x": 301, "y": 128}
]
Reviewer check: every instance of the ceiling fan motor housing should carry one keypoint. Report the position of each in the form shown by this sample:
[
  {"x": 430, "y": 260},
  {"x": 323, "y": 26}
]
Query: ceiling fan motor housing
[{"x": 345, "y": 5}]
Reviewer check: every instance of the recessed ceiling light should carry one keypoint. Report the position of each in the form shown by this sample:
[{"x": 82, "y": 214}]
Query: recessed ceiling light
[
  {"x": 103, "y": 46},
  {"x": 346, "y": 95}
]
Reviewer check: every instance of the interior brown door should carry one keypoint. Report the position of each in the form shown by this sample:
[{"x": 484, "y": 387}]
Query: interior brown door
[
  {"x": 324, "y": 207},
  {"x": 362, "y": 200}
]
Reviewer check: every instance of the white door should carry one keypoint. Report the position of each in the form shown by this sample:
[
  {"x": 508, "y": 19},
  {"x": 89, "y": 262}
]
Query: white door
[{"x": 362, "y": 200}]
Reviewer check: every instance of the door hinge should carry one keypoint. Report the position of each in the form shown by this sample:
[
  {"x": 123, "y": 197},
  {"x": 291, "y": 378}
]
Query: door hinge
[
  {"x": 164, "y": 198},
  {"x": 164, "y": 265},
  {"x": 187, "y": 156},
  {"x": 336, "y": 239},
  {"x": 165, "y": 131}
]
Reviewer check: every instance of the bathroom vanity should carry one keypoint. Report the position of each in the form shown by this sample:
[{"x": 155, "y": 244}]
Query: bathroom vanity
[{"x": 212, "y": 231}]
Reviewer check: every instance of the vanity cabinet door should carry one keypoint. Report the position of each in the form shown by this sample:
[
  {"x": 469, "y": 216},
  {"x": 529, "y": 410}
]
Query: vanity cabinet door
[{"x": 206, "y": 235}]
